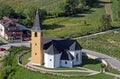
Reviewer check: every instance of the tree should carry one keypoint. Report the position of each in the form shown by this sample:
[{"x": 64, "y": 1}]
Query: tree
[
  {"x": 6, "y": 10},
  {"x": 70, "y": 7},
  {"x": 105, "y": 23},
  {"x": 91, "y": 2},
  {"x": 29, "y": 14}
]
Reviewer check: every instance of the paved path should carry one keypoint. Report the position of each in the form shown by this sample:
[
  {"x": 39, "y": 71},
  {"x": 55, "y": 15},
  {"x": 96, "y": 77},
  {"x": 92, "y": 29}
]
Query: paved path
[
  {"x": 112, "y": 74},
  {"x": 7, "y": 46},
  {"x": 112, "y": 61},
  {"x": 114, "y": 30},
  {"x": 52, "y": 71}
]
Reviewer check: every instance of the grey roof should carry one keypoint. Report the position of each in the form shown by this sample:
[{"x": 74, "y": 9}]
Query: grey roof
[
  {"x": 52, "y": 50},
  {"x": 36, "y": 26},
  {"x": 66, "y": 55},
  {"x": 75, "y": 46},
  {"x": 60, "y": 45}
]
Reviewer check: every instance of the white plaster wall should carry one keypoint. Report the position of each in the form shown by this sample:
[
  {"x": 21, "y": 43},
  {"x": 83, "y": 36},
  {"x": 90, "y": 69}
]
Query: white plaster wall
[
  {"x": 52, "y": 61},
  {"x": 48, "y": 60},
  {"x": 57, "y": 60},
  {"x": 2, "y": 33},
  {"x": 69, "y": 63},
  {"x": 74, "y": 53}
]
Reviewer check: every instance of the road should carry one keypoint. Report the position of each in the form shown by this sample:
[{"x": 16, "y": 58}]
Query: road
[
  {"x": 7, "y": 46},
  {"x": 108, "y": 31},
  {"x": 114, "y": 63}
]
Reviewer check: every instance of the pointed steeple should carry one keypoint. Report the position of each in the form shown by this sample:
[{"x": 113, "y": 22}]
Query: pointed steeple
[{"x": 36, "y": 26}]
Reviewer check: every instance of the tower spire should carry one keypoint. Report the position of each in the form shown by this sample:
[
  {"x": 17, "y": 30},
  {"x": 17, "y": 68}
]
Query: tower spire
[{"x": 36, "y": 26}]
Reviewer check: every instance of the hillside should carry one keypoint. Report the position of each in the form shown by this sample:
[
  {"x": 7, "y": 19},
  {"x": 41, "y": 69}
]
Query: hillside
[{"x": 49, "y": 5}]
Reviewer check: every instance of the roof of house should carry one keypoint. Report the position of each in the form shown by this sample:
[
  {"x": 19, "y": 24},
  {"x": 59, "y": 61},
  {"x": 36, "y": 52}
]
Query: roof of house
[
  {"x": 66, "y": 55},
  {"x": 36, "y": 26},
  {"x": 57, "y": 46}
]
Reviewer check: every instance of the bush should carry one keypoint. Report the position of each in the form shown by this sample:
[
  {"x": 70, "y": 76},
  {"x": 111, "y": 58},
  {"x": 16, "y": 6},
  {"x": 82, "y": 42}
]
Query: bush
[{"x": 105, "y": 23}]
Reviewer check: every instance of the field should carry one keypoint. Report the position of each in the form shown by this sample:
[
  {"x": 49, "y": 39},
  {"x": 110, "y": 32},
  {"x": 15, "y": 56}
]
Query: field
[
  {"x": 79, "y": 25},
  {"x": 114, "y": 6},
  {"x": 107, "y": 43},
  {"x": 49, "y": 5},
  {"x": 22, "y": 73},
  {"x": 27, "y": 74}
]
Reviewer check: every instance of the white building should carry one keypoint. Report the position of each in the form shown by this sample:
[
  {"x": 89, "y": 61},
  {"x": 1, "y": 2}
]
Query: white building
[{"x": 62, "y": 53}]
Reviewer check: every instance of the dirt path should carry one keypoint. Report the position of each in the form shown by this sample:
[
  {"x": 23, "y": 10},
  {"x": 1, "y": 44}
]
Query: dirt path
[{"x": 108, "y": 8}]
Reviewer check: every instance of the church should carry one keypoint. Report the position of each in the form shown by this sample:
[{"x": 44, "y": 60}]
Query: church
[{"x": 53, "y": 53}]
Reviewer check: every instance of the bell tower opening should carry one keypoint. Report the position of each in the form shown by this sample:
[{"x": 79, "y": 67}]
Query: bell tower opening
[{"x": 35, "y": 34}]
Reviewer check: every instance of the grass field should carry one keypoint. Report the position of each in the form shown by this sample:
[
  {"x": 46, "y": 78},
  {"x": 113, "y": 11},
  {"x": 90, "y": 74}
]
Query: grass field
[
  {"x": 107, "y": 44},
  {"x": 49, "y": 5},
  {"x": 22, "y": 73},
  {"x": 27, "y": 74},
  {"x": 114, "y": 6},
  {"x": 111, "y": 70},
  {"x": 79, "y": 25},
  {"x": 25, "y": 58}
]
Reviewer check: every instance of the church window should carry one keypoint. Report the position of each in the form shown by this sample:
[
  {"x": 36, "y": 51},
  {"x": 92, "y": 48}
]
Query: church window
[
  {"x": 65, "y": 62},
  {"x": 50, "y": 59},
  {"x": 77, "y": 57},
  {"x": 35, "y": 34}
]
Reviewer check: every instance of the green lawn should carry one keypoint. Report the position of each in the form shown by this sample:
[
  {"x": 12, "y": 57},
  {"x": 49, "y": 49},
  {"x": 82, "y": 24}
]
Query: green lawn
[
  {"x": 49, "y": 5},
  {"x": 111, "y": 70},
  {"x": 23, "y": 73},
  {"x": 114, "y": 6},
  {"x": 77, "y": 73},
  {"x": 25, "y": 58},
  {"x": 91, "y": 63},
  {"x": 73, "y": 26},
  {"x": 107, "y": 44}
]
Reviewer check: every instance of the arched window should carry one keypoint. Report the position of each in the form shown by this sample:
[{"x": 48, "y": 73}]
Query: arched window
[
  {"x": 77, "y": 58},
  {"x": 35, "y": 34}
]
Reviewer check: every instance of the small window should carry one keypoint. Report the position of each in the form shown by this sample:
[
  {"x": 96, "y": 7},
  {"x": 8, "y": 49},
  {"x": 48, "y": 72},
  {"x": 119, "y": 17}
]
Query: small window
[
  {"x": 65, "y": 62},
  {"x": 35, "y": 44},
  {"x": 50, "y": 59},
  {"x": 35, "y": 34},
  {"x": 77, "y": 58},
  {"x": 35, "y": 53}
]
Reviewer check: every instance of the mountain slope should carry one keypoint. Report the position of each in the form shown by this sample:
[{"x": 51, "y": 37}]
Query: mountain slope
[{"x": 49, "y": 5}]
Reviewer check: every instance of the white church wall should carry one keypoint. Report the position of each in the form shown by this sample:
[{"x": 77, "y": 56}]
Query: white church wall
[
  {"x": 57, "y": 60},
  {"x": 48, "y": 60},
  {"x": 77, "y": 57},
  {"x": 66, "y": 63},
  {"x": 52, "y": 61}
]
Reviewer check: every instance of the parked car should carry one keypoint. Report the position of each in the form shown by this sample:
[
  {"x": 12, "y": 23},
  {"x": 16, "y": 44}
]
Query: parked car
[{"x": 2, "y": 49}]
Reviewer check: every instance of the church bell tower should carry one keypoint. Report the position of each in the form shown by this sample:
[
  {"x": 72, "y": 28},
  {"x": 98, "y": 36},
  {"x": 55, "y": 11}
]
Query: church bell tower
[{"x": 37, "y": 55}]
